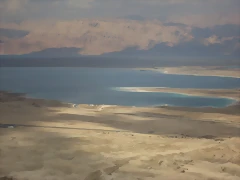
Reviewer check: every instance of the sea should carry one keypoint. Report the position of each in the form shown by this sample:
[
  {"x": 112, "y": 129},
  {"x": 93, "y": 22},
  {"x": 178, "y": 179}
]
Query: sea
[{"x": 101, "y": 86}]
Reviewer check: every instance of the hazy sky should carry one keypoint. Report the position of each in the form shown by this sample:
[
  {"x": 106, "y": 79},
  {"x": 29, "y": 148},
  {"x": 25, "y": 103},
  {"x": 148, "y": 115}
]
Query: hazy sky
[{"x": 203, "y": 12}]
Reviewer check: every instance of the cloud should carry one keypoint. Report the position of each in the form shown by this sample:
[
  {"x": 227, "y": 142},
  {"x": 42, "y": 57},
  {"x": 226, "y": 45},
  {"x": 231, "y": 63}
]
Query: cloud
[
  {"x": 212, "y": 40},
  {"x": 231, "y": 43}
]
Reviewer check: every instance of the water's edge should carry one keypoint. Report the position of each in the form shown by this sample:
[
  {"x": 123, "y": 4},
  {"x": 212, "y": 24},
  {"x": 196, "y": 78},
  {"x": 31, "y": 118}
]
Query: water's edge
[{"x": 27, "y": 96}]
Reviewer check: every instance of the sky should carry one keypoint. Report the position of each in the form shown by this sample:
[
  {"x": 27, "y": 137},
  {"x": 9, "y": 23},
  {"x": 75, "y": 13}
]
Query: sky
[{"x": 203, "y": 13}]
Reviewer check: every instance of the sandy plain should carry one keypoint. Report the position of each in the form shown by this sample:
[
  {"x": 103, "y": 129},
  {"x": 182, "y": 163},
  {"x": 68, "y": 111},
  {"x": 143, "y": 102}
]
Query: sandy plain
[{"x": 46, "y": 139}]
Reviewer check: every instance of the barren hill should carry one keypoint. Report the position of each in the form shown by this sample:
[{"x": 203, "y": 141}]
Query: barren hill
[{"x": 92, "y": 36}]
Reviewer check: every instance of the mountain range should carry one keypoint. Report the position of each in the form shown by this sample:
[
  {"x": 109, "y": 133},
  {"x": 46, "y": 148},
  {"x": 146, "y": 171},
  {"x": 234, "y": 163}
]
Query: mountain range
[{"x": 118, "y": 37}]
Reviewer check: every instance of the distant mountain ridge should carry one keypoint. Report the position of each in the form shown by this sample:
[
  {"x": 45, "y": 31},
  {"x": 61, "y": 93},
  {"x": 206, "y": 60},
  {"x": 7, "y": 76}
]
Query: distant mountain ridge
[
  {"x": 133, "y": 36},
  {"x": 187, "y": 49},
  {"x": 56, "y": 52}
]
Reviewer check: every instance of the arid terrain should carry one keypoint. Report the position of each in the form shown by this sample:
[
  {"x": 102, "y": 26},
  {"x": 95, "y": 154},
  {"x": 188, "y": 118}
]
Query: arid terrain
[
  {"x": 44, "y": 139},
  {"x": 115, "y": 36},
  {"x": 141, "y": 90},
  {"x": 92, "y": 36}
]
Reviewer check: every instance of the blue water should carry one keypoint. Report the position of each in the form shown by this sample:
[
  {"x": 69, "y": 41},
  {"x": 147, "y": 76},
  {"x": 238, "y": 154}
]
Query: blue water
[{"x": 96, "y": 86}]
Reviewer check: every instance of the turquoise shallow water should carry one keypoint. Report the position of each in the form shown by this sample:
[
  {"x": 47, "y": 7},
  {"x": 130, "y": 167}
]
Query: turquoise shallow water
[{"x": 96, "y": 86}]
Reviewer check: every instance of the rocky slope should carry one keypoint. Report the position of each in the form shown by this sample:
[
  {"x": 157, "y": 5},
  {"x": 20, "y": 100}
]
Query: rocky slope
[{"x": 92, "y": 36}]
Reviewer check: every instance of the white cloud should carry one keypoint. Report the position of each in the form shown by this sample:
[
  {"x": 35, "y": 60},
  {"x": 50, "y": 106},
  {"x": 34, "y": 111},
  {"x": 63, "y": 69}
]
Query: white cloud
[
  {"x": 217, "y": 40},
  {"x": 212, "y": 40}
]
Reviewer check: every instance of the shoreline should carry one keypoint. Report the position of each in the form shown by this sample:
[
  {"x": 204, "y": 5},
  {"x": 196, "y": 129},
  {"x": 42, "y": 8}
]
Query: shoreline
[
  {"x": 10, "y": 97},
  {"x": 187, "y": 91},
  {"x": 211, "y": 93},
  {"x": 6, "y": 96},
  {"x": 196, "y": 71},
  {"x": 25, "y": 97}
]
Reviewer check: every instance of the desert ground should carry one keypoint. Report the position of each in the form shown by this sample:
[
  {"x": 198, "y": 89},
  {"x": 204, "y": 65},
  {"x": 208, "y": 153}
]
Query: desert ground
[{"x": 45, "y": 139}]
